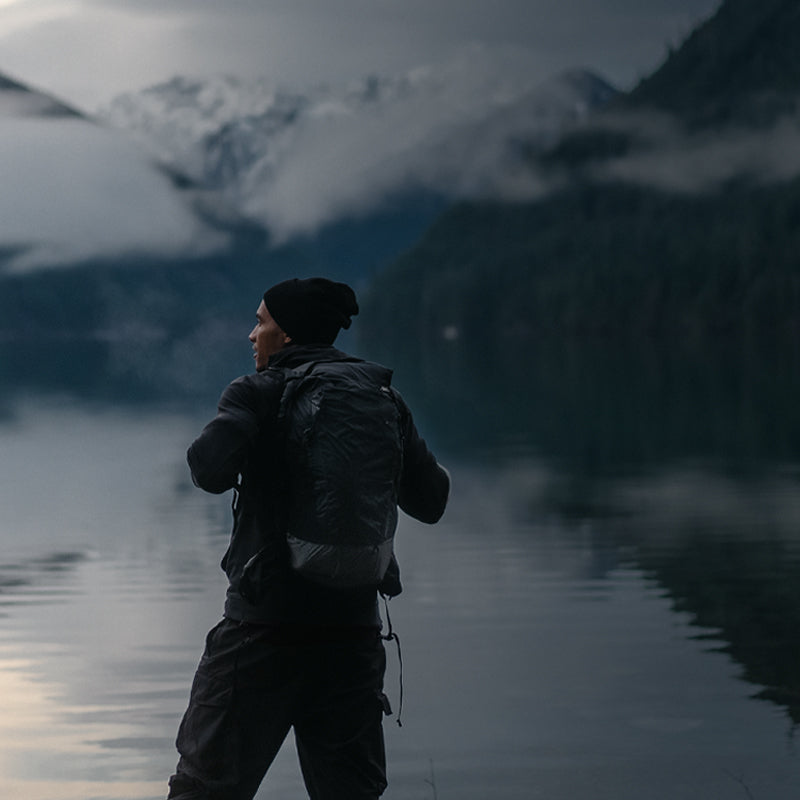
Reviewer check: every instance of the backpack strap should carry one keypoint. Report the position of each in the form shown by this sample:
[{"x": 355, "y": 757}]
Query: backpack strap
[{"x": 291, "y": 379}]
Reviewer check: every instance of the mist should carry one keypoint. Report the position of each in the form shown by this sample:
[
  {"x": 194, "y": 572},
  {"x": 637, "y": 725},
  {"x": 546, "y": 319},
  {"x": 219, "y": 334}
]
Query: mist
[
  {"x": 74, "y": 191},
  {"x": 295, "y": 160},
  {"x": 667, "y": 157}
]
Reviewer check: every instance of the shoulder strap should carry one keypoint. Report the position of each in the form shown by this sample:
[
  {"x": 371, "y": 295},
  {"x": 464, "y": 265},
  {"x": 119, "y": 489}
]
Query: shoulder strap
[{"x": 291, "y": 380}]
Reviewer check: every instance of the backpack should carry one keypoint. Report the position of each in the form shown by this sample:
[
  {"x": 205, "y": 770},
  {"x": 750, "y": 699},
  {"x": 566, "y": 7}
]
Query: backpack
[{"x": 341, "y": 429}]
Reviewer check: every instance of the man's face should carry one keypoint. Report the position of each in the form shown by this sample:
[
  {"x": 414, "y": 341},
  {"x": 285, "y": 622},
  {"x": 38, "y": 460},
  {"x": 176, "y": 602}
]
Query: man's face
[{"x": 267, "y": 337}]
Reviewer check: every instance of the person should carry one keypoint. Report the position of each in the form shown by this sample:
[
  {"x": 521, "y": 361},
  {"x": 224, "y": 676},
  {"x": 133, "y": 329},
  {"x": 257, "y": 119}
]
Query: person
[{"x": 289, "y": 653}]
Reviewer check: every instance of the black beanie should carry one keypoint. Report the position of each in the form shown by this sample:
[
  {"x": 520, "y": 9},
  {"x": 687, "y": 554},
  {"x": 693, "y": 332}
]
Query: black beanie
[{"x": 313, "y": 310}]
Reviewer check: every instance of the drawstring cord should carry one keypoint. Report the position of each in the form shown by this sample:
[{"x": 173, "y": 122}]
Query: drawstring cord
[
  {"x": 391, "y": 635},
  {"x": 237, "y": 491}
]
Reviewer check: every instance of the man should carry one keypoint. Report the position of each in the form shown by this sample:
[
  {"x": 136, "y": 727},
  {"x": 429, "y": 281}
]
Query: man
[{"x": 289, "y": 652}]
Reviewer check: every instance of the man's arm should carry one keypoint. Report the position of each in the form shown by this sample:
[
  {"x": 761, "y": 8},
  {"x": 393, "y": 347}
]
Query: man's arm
[
  {"x": 424, "y": 484},
  {"x": 219, "y": 453}
]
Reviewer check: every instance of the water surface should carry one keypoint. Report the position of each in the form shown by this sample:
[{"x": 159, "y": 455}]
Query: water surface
[{"x": 554, "y": 645}]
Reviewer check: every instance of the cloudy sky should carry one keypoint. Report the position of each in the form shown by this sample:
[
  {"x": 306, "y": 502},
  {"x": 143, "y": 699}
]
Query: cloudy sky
[{"x": 87, "y": 51}]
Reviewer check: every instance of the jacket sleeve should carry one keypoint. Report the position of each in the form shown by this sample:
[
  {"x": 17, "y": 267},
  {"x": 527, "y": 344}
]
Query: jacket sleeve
[
  {"x": 219, "y": 453},
  {"x": 424, "y": 483}
]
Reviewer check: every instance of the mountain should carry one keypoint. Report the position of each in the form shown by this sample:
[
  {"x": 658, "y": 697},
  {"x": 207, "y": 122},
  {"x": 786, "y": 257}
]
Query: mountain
[
  {"x": 741, "y": 67},
  {"x": 17, "y": 100},
  {"x": 671, "y": 213},
  {"x": 345, "y": 179},
  {"x": 297, "y": 161},
  {"x": 185, "y": 168},
  {"x": 722, "y": 105},
  {"x": 75, "y": 190}
]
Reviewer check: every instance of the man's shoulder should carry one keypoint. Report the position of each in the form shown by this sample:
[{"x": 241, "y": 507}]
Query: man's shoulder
[
  {"x": 264, "y": 380},
  {"x": 257, "y": 391}
]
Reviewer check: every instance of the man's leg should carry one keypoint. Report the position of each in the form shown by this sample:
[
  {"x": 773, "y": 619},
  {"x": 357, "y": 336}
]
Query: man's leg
[
  {"x": 339, "y": 733},
  {"x": 237, "y": 719}
]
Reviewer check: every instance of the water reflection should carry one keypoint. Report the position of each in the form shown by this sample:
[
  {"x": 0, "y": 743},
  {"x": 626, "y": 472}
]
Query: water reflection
[
  {"x": 39, "y": 579},
  {"x": 728, "y": 553},
  {"x": 570, "y": 660},
  {"x": 608, "y": 406},
  {"x": 592, "y": 407},
  {"x": 683, "y": 453},
  {"x": 725, "y": 550}
]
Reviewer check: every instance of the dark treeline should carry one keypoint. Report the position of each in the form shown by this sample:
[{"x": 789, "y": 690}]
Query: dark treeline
[
  {"x": 599, "y": 259},
  {"x": 742, "y": 67},
  {"x": 187, "y": 302}
]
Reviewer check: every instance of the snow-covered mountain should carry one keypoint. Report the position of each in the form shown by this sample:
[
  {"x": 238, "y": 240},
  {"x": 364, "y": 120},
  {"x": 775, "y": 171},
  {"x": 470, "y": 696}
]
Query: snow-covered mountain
[
  {"x": 80, "y": 189},
  {"x": 294, "y": 161},
  {"x": 75, "y": 190}
]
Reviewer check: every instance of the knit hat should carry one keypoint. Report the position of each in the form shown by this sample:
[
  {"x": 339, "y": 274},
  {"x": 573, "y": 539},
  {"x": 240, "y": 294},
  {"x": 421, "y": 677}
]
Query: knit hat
[{"x": 312, "y": 310}]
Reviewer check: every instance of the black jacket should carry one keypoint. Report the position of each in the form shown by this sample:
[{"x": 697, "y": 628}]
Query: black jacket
[{"x": 239, "y": 449}]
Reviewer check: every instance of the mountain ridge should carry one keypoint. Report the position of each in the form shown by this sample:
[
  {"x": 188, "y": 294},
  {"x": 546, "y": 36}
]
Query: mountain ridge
[
  {"x": 75, "y": 190},
  {"x": 19, "y": 99},
  {"x": 294, "y": 161},
  {"x": 738, "y": 67},
  {"x": 654, "y": 221}
]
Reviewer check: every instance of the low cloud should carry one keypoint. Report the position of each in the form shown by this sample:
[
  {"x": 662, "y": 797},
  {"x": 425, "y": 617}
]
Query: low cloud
[
  {"x": 672, "y": 159},
  {"x": 89, "y": 51},
  {"x": 458, "y": 135},
  {"x": 295, "y": 161},
  {"x": 74, "y": 191}
]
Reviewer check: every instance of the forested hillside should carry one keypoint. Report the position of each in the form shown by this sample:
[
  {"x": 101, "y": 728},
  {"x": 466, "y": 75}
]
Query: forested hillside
[
  {"x": 672, "y": 214},
  {"x": 740, "y": 67}
]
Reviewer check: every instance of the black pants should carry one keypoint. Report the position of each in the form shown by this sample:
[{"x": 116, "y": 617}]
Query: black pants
[{"x": 254, "y": 684}]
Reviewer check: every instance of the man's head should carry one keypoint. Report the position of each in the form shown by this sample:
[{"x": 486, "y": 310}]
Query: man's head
[
  {"x": 310, "y": 311},
  {"x": 267, "y": 337}
]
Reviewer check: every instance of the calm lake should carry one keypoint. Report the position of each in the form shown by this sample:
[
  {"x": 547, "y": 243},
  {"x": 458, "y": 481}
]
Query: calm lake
[{"x": 609, "y": 610}]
